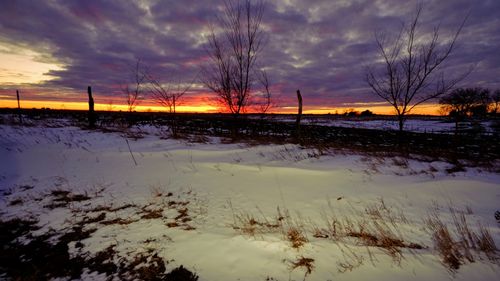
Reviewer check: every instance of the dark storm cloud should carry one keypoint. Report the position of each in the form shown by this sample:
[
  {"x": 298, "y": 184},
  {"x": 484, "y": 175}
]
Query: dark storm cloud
[{"x": 321, "y": 47}]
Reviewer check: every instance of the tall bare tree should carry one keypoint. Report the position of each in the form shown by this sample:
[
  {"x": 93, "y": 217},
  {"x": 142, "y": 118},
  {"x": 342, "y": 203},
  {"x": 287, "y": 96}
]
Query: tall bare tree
[
  {"x": 412, "y": 63},
  {"x": 233, "y": 71},
  {"x": 265, "y": 99},
  {"x": 132, "y": 91}
]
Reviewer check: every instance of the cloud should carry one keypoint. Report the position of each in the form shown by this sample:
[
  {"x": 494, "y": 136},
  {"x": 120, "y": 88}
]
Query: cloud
[{"x": 321, "y": 47}]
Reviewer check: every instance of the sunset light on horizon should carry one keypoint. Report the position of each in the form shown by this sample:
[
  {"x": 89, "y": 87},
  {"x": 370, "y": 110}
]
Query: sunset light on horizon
[{"x": 428, "y": 109}]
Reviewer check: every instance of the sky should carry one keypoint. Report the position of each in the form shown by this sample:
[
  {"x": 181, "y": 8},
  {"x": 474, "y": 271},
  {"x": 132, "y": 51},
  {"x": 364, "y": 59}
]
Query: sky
[{"x": 52, "y": 50}]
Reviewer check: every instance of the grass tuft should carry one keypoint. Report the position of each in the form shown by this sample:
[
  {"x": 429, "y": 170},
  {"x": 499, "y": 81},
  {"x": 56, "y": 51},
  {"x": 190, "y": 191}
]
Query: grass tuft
[
  {"x": 303, "y": 262},
  {"x": 461, "y": 244}
]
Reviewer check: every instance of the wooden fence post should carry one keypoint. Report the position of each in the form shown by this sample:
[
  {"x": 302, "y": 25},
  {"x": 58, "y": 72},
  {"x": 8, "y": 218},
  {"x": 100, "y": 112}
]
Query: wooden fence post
[
  {"x": 91, "y": 114},
  {"x": 299, "y": 115},
  {"x": 19, "y": 107}
]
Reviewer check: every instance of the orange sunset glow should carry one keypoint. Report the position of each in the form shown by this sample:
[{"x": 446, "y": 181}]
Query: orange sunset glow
[{"x": 428, "y": 109}]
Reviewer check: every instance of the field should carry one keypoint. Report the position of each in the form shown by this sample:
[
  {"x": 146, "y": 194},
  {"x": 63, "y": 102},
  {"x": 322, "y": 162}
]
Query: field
[{"x": 246, "y": 200}]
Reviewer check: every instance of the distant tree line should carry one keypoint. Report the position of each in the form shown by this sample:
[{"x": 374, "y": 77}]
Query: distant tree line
[{"x": 462, "y": 103}]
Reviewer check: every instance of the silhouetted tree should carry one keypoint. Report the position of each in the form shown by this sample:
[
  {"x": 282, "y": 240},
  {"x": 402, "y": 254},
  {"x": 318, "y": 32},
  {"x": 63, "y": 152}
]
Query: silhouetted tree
[
  {"x": 168, "y": 94},
  {"x": 412, "y": 63},
  {"x": 351, "y": 112},
  {"x": 366, "y": 113},
  {"x": 133, "y": 91},
  {"x": 495, "y": 102},
  {"x": 465, "y": 102},
  {"x": 265, "y": 99},
  {"x": 232, "y": 71},
  {"x": 462, "y": 103}
]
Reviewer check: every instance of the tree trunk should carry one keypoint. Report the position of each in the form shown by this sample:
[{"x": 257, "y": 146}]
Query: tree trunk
[
  {"x": 19, "y": 108},
  {"x": 91, "y": 114},
  {"x": 401, "y": 120},
  {"x": 299, "y": 114},
  {"x": 173, "y": 124}
]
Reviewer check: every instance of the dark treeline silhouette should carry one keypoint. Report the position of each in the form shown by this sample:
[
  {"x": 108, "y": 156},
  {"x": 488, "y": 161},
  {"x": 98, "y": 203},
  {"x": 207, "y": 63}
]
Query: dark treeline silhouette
[
  {"x": 468, "y": 105},
  {"x": 470, "y": 102}
]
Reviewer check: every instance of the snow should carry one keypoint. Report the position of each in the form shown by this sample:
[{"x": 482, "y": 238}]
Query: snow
[
  {"x": 412, "y": 123},
  {"x": 220, "y": 182}
]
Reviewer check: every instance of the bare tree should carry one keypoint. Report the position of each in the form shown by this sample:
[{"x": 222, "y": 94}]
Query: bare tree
[
  {"x": 265, "y": 100},
  {"x": 412, "y": 63},
  {"x": 233, "y": 71},
  {"x": 168, "y": 94},
  {"x": 462, "y": 103},
  {"x": 132, "y": 92}
]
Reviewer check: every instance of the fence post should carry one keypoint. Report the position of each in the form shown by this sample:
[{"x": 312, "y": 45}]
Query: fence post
[
  {"x": 299, "y": 115},
  {"x": 19, "y": 107},
  {"x": 91, "y": 114}
]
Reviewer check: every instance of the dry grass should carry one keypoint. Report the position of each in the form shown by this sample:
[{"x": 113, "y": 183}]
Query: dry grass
[
  {"x": 152, "y": 214},
  {"x": 303, "y": 262},
  {"x": 486, "y": 244},
  {"x": 62, "y": 198},
  {"x": 291, "y": 228},
  {"x": 250, "y": 225},
  {"x": 172, "y": 224},
  {"x": 461, "y": 244},
  {"x": 378, "y": 225},
  {"x": 119, "y": 221},
  {"x": 296, "y": 237},
  {"x": 379, "y": 234},
  {"x": 16, "y": 202}
]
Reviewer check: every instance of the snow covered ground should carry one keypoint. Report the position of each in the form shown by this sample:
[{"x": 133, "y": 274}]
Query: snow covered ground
[
  {"x": 412, "y": 124},
  {"x": 238, "y": 212}
]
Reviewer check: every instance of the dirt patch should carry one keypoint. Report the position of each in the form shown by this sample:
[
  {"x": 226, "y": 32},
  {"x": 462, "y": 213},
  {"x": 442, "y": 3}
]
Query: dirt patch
[{"x": 24, "y": 256}]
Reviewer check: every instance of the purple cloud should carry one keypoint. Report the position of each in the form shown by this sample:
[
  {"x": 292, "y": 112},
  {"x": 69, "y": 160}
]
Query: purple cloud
[{"x": 321, "y": 47}]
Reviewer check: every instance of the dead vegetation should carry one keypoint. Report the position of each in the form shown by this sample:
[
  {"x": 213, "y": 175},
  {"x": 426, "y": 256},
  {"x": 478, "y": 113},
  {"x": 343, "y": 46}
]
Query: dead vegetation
[
  {"x": 29, "y": 256},
  {"x": 302, "y": 262},
  {"x": 62, "y": 198},
  {"x": 377, "y": 226},
  {"x": 291, "y": 229},
  {"x": 26, "y": 256},
  {"x": 247, "y": 224},
  {"x": 296, "y": 237},
  {"x": 461, "y": 244}
]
